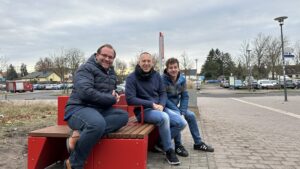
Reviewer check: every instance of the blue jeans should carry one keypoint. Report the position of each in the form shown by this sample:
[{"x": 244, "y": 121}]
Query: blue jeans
[
  {"x": 169, "y": 126},
  {"x": 93, "y": 124},
  {"x": 192, "y": 122}
]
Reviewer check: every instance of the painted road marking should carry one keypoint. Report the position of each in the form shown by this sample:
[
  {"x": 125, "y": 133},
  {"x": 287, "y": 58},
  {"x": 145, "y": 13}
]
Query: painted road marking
[{"x": 269, "y": 108}]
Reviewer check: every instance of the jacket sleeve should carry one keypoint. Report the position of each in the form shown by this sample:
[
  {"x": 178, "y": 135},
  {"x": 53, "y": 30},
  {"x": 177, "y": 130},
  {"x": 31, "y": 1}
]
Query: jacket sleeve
[
  {"x": 172, "y": 106},
  {"x": 184, "y": 100},
  {"x": 84, "y": 84},
  {"x": 131, "y": 96}
]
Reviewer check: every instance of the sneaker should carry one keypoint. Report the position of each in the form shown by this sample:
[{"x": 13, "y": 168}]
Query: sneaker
[
  {"x": 203, "y": 147},
  {"x": 181, "y": 151},
  {"x": 159, "y": 148},
  {"x": 171, "y": 157}
]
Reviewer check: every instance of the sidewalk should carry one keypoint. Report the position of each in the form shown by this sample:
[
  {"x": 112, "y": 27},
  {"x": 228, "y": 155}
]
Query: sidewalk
[{"x": 196, "y": 159}]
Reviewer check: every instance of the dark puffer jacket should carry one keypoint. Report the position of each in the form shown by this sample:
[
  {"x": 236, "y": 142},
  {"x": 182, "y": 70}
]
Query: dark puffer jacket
[{"x": 93, "y": 86}]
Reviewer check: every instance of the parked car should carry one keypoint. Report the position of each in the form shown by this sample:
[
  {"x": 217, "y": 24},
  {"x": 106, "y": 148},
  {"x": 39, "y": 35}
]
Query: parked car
[
  {"x": 238, "y": 84},
  {"x": 254, "y": 84},
  {"x": 275, "y": 84},
  {"x": 264, "y": 84},
  {"x": 224, "y": 83},
  {"x": 297, "y": 83},
  {"x": 288, "y": 84},
  {"x": 2, "y": 86}
]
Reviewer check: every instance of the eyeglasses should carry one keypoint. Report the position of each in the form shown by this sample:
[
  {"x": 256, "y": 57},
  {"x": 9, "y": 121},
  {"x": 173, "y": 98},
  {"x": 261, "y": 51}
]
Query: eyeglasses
[{"x": 107, "y": 56}]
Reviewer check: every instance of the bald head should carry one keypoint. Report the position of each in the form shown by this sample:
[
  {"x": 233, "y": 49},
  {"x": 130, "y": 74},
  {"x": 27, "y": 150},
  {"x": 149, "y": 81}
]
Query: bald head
[{"x": 146, "y": 61}]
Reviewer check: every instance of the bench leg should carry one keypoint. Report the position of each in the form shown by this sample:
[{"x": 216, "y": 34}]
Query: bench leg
[
  {"x": 121, "y": 153},
  {"x": 43, "y": 151}
]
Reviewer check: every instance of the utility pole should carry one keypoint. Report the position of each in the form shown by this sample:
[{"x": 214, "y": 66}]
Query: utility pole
[
  {"x": 280, "y": 20},
  {"x": 196, "y": 69},
  {"x": 249, "y": 73}
]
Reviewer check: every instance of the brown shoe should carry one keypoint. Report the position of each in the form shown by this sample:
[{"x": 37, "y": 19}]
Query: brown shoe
[
  {"x": 71, "y": 141},
  {"x": 67, "y": 164}
]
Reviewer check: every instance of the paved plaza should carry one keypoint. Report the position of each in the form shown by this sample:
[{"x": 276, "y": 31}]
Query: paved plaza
[{"x": 259, "y": 131}]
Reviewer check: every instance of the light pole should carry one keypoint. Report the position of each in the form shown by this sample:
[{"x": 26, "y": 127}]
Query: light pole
[
  {"x": 249, "y": 67},
  {"x": 280, "y": 20},
  {"x": 196, "y": 69}
]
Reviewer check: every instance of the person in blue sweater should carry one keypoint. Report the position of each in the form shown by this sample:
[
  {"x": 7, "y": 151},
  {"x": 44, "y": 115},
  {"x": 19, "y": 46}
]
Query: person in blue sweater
[
  {"x": 89, "y": 110},
  {"x": 177, "y": 102},
  {"x": 145, "y": 87}
]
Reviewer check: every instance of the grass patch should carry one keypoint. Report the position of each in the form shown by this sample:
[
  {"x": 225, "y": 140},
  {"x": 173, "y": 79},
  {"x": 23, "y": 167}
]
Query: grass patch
[{"x": 20, "y": 117}]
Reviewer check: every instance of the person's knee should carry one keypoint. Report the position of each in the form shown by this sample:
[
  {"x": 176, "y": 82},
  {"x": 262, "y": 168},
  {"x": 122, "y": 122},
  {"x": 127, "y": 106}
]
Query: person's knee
[
  {"x": 183, "y": 123},
  {"x": 164, "y": 119},
  {"x": 123, "y": 118},
  {"x": 96, "y": 127},
  {"x": 190, "y": 116}
]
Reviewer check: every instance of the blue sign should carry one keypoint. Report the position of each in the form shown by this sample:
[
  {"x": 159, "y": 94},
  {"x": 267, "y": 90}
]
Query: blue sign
[{"x": 288, "y": 55}]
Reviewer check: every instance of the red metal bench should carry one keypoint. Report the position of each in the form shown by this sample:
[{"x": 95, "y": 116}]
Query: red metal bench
[{"x": 125, "y": 148}]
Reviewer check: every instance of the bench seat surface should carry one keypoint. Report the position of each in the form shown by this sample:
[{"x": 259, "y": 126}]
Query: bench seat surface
[{"x": 131, "y": 130}]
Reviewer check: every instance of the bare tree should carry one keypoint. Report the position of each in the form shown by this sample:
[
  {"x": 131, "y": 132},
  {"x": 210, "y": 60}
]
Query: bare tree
[
  {"x": 297, "y": 53},
  {"x": 60, "y": 64},
  {"x": 74, "y": 57},
  {"x": 156, "y": 61},
  {"x": 185, "y": 62},
  {"x": 259, "y": 51},
  {"x": 3, "y": 63},
  {"x": 273, "y": 51},
  {"x": 45, "y": 64},
  {"x": 246, "y": 58},
  {"x": 120, "y": 68}
]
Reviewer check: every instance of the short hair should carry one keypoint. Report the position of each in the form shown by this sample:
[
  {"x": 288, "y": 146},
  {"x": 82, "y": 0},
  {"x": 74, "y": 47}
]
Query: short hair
[
  {"x": 171, "y": 61},
  {"x": 108, "y": 46},
  {"x": 144, "y": 53}
]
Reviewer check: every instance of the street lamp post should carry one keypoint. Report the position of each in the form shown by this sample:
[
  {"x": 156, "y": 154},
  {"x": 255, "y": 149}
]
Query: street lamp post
[
  {"x": 196, "y": 69},
  {"x": 280, "y": 20},
  {"x": 249, "y": 67}
]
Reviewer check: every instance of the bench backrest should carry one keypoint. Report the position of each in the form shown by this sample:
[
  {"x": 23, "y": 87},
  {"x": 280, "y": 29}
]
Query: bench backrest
[{"x": 62, "y": 101}]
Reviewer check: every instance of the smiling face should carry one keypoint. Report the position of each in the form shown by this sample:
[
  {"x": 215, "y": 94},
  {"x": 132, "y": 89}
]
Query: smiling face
[
  {"x": 146, "y": 62},
  {"x": 173, "y": 70},
  {"x": 105, "y": 57}
]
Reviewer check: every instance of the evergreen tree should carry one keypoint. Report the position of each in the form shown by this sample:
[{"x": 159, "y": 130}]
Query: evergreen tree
[
  {"x": 217, "y": 64},
  {"x": 11, "y": 73},
  {"x": 23, "y": 70}
]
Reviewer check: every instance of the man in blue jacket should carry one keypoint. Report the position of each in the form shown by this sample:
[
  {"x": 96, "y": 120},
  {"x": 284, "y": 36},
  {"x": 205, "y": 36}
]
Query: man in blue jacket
[
  {"x": 177, "y": 102},
  {"x": 145, "y": 87},
  {"x": 89, "y": 110}
]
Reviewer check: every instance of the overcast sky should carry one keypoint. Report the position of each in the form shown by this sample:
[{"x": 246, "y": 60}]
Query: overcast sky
[{"x": 31, "y": 29}]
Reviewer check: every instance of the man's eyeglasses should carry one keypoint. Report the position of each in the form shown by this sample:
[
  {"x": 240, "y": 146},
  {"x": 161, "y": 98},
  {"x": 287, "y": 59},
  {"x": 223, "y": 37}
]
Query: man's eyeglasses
[{"x": 107, "y": 56}]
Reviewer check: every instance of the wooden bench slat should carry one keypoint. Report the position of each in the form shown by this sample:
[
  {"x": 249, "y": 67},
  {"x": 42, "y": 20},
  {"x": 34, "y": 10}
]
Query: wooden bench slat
[
  {"x": 128, "y": 131},
  {"x": 139, "y": 129},
  {"x": 120, "y": 132},
  {"x": 52, "y": 131},
  {"x": 146, "y": 131}
]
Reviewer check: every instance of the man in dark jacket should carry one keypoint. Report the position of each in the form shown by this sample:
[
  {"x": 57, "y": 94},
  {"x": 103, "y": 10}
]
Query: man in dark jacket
[
  {"x": 145, "y": 87},
  {"x": 177, "y": 102},
  {"x": 89, "y": 110}
]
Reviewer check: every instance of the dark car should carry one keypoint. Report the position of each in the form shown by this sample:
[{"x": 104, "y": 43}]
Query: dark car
[
  {"x": 297, "y": 83},
  {"x": 288, "y": 84}
]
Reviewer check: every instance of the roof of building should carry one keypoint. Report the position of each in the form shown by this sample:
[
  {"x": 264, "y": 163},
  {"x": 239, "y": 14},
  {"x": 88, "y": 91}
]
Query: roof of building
[{"x": 38, "y": 75}]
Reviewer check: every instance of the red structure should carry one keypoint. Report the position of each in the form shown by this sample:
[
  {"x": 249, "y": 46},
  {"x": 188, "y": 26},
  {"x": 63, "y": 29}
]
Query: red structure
[
  {"x": 47, "y": 145},
  {"x": 18, "y": 86}
]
